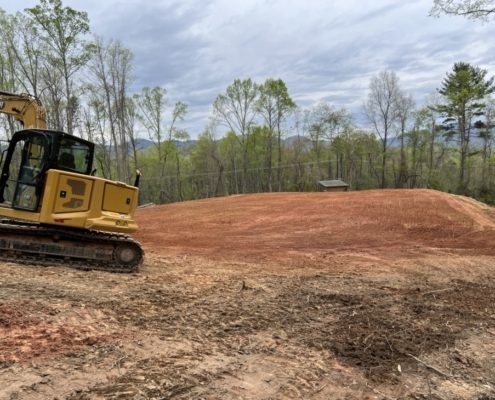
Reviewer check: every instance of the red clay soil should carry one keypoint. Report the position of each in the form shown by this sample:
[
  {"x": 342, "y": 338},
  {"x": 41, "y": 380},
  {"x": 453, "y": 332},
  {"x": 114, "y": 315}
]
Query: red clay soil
[
  {"x": 382, "y": 294},
  {"x": 29, "y": 331},
  {"x": 273, "y": 226}
]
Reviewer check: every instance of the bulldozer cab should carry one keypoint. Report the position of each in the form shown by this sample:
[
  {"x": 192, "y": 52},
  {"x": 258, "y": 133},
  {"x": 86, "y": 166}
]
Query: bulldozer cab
[{"x": 30, "y": 154}]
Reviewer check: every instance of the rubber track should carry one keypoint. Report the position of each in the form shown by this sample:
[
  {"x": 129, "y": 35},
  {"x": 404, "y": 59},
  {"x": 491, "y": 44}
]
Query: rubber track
[{"x": 100, "y": 245}]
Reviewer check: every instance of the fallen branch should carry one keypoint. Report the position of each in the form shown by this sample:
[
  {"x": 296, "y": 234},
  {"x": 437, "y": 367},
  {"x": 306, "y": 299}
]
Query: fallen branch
[
  {"x": 320, "y": 388},
  {"x": 378, "y": 392},
  {"x": 430, "y": 366},
  {"x": 438, "y": 291}
]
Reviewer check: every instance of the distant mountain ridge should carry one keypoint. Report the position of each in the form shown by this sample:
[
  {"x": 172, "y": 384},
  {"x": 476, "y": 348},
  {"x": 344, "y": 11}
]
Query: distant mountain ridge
[{"x": 392, "y": 142}]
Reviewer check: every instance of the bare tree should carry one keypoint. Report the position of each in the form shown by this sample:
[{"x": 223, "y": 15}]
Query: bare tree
[
  {"x": 485, "y": 131},
  {"x": 120, "y": 67},
  {"x": 381, "y": 110},
  {"x": 427, "y": 119},
  {"x": 110, "y": 74},
  {"x": 404, "y": 107},
  {"x": 472, "y": 9},
  {"x": 130, "y": 125},
  {"x": 53, "y": 97},
  {"x": 95, "y": 124}
]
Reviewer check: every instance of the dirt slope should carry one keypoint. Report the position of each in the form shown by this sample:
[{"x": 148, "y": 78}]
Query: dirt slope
[
  {"x": 287, "y": 225},
  {"x": 366, "y": 295}
]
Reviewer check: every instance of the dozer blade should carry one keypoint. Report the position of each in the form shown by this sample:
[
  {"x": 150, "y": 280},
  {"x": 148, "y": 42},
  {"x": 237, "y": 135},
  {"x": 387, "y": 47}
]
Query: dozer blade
[{"x": 28, "y": 243}]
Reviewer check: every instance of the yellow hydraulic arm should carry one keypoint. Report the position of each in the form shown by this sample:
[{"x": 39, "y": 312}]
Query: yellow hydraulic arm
[{"x": 25, "y": 108}]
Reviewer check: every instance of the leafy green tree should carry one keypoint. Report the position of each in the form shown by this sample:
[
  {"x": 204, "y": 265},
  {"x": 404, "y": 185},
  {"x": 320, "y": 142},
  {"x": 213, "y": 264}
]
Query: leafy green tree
[
  {"x": 236, "y": 108},
  {"x": 352, "y": 148},
  {"x": 274, "y": 104},
  {"x": 230, "y": 149},
  {"x": 207, "y": 166},
  {"x": 180, "y": 110},
  {"x": 425, "y": 120},
  {"x": 326, "y": 122},
  {"x": 150, "y": 105},
  {"x": 131, "y": 117},
  {"x": 63, "y": 30},
  {"x": 417, "y": 141},
  {"x": 22, "y": 45},
  {"x": 9, "y": 77},
  {"x": 464, "y": 90}
]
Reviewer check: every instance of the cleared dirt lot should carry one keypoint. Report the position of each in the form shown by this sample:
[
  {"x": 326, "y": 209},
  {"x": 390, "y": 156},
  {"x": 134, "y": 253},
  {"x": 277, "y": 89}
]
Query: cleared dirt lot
[{"x": 361, "y": 295}]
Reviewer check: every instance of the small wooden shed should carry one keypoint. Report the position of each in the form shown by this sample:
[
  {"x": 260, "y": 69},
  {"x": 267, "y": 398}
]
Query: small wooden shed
[{"x": 335, "y": 185}]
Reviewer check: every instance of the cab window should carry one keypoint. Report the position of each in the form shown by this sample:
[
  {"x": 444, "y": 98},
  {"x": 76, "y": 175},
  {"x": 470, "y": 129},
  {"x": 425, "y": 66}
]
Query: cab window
[
  {"x": 25, "y": 173},
  {"x": 73, "y": 156}
]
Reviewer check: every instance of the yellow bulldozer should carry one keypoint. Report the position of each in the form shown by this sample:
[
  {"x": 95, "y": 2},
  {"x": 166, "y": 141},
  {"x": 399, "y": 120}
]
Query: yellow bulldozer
[{"x": 52, "y": 209}]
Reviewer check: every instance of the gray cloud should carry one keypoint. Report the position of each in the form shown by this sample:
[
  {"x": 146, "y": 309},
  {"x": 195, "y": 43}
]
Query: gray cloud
[{"x": 322, "y": 50}]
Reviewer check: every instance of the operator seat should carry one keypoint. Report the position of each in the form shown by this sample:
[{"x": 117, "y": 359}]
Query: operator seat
[{"x": 67, "y": 161}]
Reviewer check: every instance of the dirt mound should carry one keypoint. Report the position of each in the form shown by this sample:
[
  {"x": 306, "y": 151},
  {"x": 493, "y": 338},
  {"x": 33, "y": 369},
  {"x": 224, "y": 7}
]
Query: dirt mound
[
  {"x": 288, "y": 225},
  {"x": 401, "y": 308}
]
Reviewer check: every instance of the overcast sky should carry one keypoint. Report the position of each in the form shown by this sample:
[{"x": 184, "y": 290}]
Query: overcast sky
[{"x": 322, "y": 49}]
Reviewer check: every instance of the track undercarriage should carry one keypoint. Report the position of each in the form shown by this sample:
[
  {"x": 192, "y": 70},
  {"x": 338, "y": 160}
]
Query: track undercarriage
[{"x": 30, "y": 243}]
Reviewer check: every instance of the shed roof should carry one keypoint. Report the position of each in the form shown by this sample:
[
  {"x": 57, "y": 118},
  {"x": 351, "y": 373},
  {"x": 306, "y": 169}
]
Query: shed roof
[{"x": 333, "y": 183}]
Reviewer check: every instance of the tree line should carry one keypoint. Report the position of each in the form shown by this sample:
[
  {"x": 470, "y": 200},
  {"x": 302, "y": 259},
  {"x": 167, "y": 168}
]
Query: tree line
[{"x": 258, "y": 139}]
